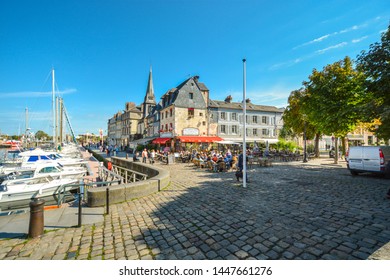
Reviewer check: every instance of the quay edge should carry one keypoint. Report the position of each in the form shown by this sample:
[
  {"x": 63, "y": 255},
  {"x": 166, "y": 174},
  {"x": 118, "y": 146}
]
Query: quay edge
[{"x": 158, "y": 179}]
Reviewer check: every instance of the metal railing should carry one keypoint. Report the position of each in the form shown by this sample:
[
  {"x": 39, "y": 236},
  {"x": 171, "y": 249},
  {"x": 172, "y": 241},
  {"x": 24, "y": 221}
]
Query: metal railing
[
  {"x": 129, "y": 175},
  {"x": 106, "y": 178}
]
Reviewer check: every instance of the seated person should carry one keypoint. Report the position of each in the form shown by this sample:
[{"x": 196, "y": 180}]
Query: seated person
[{"x": 135, "y": 156}]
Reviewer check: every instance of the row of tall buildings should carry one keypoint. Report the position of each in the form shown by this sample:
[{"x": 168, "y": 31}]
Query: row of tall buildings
[{"x": 186, "y": 114}]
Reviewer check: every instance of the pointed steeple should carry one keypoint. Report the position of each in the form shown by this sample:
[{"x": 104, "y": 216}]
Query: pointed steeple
[
  {"x": 149, "y": 100},
  {"x": 149, "y": 97}
]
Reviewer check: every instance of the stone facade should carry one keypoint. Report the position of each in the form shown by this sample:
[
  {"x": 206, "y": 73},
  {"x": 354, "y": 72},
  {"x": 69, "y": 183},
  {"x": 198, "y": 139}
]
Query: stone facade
[
  {"x": 263, "y": 123},
  {"x": 185, "y": 108},
  {"x": 188, "y": 110}
]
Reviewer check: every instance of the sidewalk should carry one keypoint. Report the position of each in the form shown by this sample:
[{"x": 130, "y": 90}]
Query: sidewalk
[{"x": 16, "y": 225}]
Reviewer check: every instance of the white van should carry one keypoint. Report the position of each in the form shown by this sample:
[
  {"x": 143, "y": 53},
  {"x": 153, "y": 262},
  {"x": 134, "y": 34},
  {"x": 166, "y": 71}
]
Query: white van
[{"x": 369, "y": 159}]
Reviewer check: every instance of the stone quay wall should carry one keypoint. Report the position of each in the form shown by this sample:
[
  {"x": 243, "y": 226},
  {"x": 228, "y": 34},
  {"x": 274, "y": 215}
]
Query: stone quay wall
[{"x": 157, "y": 179}]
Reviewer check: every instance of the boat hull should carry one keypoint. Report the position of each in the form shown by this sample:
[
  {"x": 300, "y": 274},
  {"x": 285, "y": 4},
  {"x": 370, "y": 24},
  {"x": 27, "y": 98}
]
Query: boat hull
[{"x": 21, "y": 192}]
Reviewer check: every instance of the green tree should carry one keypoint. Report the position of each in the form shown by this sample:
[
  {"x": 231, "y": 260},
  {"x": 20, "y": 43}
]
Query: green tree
[
  {"x": 41, "y": 135},
  {"x": 333, "y": 98},
  {"x": 295, "y": 120},
  {"x": 376, "y": 65}
]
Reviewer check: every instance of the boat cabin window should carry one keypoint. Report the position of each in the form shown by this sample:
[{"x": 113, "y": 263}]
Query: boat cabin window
[
  {"x": 45, "y": 158},
  {"x": 49, "y": 169},
  {"x": 33, "y": 158}
]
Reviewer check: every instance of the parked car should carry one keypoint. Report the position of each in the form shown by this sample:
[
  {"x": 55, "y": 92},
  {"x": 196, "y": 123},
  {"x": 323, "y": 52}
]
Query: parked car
[{"x": 374, "y": 159}]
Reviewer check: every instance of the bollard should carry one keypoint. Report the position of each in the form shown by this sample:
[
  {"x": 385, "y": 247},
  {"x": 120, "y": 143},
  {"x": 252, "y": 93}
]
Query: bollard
[
  {"x": 127, "y": 155},
  {"x": 107, "y": 201},
  {"x": 80, "y": 213},
  {"x": 36, "y": 224}
]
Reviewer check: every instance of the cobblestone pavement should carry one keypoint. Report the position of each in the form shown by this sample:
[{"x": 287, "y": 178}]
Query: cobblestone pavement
[{"x": 288, "y": 211}]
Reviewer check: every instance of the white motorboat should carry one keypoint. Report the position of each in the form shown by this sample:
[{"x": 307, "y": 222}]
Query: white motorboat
[
  {"x": 34, "y": 188},
  {"x": 54, "y": 170},
  {"x": 29, "y": 160}
]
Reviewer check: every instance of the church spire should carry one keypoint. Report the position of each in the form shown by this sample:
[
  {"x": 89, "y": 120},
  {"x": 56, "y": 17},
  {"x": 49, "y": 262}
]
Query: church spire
[
  {"x": 149, "y": 100},
  {"x": 149, "y": 97}
]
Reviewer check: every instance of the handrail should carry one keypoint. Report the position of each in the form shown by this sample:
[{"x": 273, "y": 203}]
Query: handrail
[{"x": 129, "y": 175}]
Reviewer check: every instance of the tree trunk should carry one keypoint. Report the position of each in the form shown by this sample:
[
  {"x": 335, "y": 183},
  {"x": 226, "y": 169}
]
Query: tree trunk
[
  {"x": 317, "y": 145},
  {"x": 343, "y": 146},
  {"x": 336, "y": 150}
]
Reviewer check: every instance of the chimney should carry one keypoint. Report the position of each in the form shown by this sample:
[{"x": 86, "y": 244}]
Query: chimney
[
  {"x": 228, "y": 99},
  {"x": 196, "y": 78}
]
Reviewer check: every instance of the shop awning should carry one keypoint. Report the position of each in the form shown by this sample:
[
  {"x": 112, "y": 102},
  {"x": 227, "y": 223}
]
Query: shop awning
[
  {"x": 199, "y": 139},
  {"x": 141, "y": 141},
  {"x": 227, "y": 142},
  {"x": 160, "y": 140}
]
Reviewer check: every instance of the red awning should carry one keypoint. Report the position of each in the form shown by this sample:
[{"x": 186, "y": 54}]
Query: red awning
[
  {"x": 160, "y": 140},
  {"x": 199, "y": 139}
]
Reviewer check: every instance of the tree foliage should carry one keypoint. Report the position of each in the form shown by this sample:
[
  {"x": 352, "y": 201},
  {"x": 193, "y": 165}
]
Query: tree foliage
[
  {"x": 41, "y": 135},
  {"x": 294, "y": 117},
  {"x": 376, "y": 65},
  {"x": 333, "y": 96}
]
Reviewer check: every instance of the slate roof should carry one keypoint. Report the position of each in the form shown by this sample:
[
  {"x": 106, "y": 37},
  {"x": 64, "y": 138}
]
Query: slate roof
[
  {"x": 249, "y": 106},
  {"x": 180, "y": 94}
]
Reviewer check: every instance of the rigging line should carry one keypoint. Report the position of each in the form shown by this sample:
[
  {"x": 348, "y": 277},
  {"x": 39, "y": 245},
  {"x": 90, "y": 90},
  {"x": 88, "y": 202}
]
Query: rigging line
[{"x": 33, "y": 115}]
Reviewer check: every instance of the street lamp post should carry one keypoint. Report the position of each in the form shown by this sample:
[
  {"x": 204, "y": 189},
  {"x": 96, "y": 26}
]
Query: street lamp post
[{"x": 244, "y": 126}]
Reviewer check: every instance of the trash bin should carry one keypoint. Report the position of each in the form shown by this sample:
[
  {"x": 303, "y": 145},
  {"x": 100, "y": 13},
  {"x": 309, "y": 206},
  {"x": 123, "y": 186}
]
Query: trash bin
[{"x": 36, "y": 223}]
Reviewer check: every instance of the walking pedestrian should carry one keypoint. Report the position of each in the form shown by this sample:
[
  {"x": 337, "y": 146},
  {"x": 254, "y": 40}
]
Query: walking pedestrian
[
  {"x": 240, "y": 165},
  {"x": 152, "y": 156},
  {"x": 144, "y": 155}
]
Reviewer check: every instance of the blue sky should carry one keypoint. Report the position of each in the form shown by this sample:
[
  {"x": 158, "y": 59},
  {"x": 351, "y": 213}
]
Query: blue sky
[{"x": 102, "y": 51}]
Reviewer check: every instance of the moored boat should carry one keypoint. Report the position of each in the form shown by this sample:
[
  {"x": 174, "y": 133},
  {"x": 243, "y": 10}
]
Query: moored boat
[{"x": 35, "y": 188}]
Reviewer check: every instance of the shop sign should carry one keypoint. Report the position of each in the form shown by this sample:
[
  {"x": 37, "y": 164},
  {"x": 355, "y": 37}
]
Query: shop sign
[{"x": 190, "y": 131}]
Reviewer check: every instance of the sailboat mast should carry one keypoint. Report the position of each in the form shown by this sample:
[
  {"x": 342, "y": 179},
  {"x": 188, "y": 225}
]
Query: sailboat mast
[
  {"x": 53, "y": 107},
  {"x": 26, "y": 122}
]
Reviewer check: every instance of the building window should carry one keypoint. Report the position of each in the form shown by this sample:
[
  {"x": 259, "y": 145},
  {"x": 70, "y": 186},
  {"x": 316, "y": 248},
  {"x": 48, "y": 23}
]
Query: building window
[
  {"x": 166, "y": 114},
  {"x": 162, "y": 115},
  {"x": 234, "y": 129},
  {"x": 166, "y": 127},
  {"x": 234, "y": 116},
  {"x": 265, "y": 131},
  {"x": 170, "y": 112},
  {"x": 254, "y": 119},
  {"x": 223, "y": 129},
  {"x": 200, "y": 114},
  {"x": 204, "y": 123},
  {"x": 264, "y": 120},
  {"x": 255, "y": 132},
  {"x": 191, "y": 113},
  {"x": 191, "y": 95},
  {"x": 223, "y": 116}
]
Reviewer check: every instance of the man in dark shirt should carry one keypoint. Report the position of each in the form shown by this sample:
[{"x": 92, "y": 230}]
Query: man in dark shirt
[{"x": 239, "y": 173}]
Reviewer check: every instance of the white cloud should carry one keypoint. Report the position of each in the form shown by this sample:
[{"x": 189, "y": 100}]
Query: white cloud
[
  {"x": 287, "y": 63},
  {"x": 331, "y": 48},
  {"x": 354, "y": 41},
  {"x": 34, "y": 94},
  {"x": 324, "y": 37}
]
